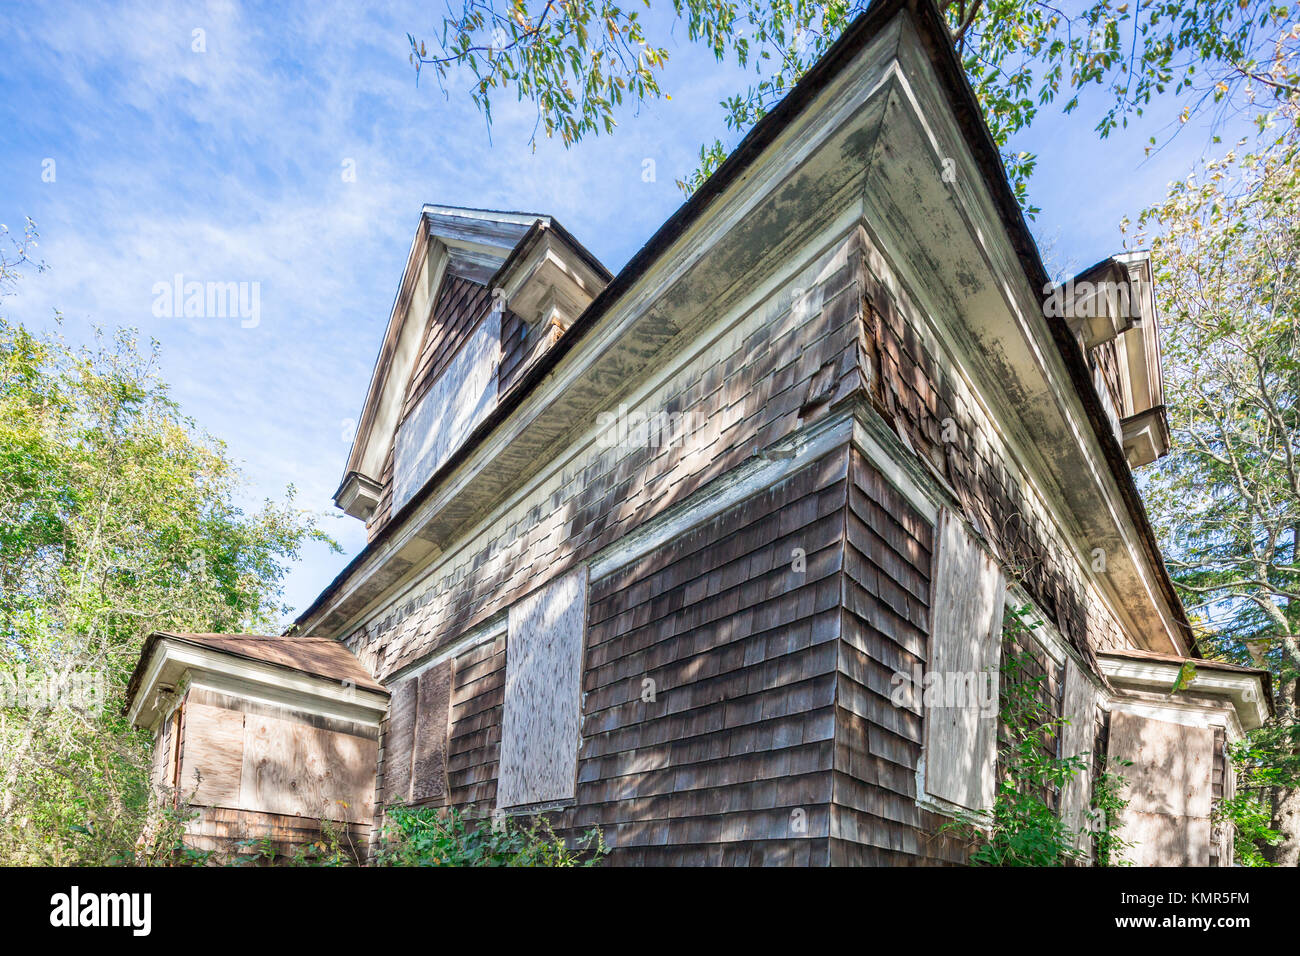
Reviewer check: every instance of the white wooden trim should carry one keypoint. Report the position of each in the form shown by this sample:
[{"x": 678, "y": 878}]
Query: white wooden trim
[
  {"x": 279, "y": 697},
  {"x": 391, "y": 381},
  {"x": 1187, "y": 713},
  {"x": 1233, "y": 690},
  {"x": 174, "y": 661}
]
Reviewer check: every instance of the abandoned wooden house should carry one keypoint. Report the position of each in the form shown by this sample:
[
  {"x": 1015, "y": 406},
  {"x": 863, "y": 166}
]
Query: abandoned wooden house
[{"x": 682, "y": 552}]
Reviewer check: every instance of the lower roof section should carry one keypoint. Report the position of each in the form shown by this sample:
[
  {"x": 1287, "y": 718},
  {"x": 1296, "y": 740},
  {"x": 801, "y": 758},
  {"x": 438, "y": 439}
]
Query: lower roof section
[
  {"x": 316, "y": 673},
  {"x": 1248, "y": 689}
]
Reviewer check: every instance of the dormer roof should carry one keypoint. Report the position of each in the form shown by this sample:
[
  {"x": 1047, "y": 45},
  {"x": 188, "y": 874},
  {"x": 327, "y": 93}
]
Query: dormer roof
[{"x": 454, "y": 242}]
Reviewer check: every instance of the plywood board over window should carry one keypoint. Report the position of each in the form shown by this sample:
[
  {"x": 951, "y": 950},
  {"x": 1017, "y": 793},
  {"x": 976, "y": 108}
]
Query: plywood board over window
[
  {"x": 463, "y": 395},
  {"x": 429, "y": 755},
  {"x": 1080, "y": 711},
  {"x": 398, "y": 742},
  {"x": 542, "y": 711},
  {"x": 214, "y": 755},
  {"x": 300, "y": 770},
  {"x": 1168, "y": 788},
  {"x": 969, "y": 591}
]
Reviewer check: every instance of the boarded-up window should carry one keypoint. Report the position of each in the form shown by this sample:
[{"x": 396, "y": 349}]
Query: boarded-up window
[
  {"x": 415, "y": 744},
  {"x": 1168, "y": 788},
  {"x": 252, "y": 759},
  {"x": 542, "y": 713},
  {"x": 965, "y": 644},
  {"x": 1080, "y": 710},
  {"x": 398, "y": 740},
  {"x": 462, "y": 396},
  {"x": 300, "y": 770},
  {"x": 214, "y": 755},
  {"x": 429, "y": 757}
]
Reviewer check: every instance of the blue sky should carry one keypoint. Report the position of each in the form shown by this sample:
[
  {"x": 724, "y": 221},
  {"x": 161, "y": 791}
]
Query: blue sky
[{"x": 228, "y": 165}]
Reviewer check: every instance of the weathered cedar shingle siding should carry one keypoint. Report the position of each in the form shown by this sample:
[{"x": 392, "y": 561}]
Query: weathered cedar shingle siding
[
  {"x": 521, "y": 346},
  {"x": 224, "y": 830},
  {"x": 730, "y": 763},
  {"x": 921, "y": 393},
  {"x": 745, "y": 400},
  {"x": 1217, "y": 793},
  {"x": 383, "y": 510},
  {"x": 888, "y": 561},
  {"x": 1105, "y": 361},
  {"x": 1048, "y": 680}
]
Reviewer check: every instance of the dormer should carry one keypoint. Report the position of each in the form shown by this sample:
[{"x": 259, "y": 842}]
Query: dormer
[
  {"x": 449, "y": 242},
  {"x": 1111, "y": 310},
  {"x": 477, "y": 285}
]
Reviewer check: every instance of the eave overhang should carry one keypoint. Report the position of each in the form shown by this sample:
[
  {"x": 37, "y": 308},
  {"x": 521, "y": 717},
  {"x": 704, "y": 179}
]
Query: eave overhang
[
  {"x": 1115, "y": 299},
  {"x": 1247, "y": 689},
  {"x": 170, "y": 663},
  {"x": 862, "y": 140}
]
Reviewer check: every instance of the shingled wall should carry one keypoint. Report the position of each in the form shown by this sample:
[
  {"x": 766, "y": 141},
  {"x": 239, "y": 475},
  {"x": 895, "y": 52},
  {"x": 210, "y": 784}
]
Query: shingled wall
[
  {"x": 919, "y": 393},
  {"x": 772, "y": 738}
]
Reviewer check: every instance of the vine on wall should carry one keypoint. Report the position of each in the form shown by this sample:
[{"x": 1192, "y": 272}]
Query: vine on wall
[{"x": 1024, "y": 826}]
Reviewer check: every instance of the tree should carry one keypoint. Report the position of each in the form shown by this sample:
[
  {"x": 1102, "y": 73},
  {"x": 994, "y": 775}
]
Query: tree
[
  {"x": 1226, "y": 501},
  {"x": 118, "y": 517},
  {"x": 580, "y": 61}
]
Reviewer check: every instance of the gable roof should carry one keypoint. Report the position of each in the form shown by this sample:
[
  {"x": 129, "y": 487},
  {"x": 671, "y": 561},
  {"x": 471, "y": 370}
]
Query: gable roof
[
  {"x": 449, "y": 241},
  {"x": 933, "y": 36},
  {"x": 317, "y": 656}
]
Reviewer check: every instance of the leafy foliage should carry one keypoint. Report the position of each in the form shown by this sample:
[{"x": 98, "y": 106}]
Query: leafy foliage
[
  {"x": 1108, "y": 802},
  {"x": 1024, "y": 827},
  {"x": 579, "y": 61},
  {"x": 1249, "y": 810},
  {"x": 117, "y": 518},
  {"x": 446, "y": 837}
]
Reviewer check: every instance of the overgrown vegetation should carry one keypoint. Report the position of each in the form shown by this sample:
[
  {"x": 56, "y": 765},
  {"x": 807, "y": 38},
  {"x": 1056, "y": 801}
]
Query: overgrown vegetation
[
  {"x": 1024, "y": 826},
  {"x": 1249, "y": 811},
  {"x": 333, "y": 848},
  {"x": 447, "y": 837},
  {"x": 410, "y": 837},
  {"x": 118, "y": 517}
]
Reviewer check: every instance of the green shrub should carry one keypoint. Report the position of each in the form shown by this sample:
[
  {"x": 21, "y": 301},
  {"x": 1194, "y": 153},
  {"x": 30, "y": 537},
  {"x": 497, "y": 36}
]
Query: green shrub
[
  {"x": 446, "y": 837},
  {"x": 1023, "y": 827}
]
